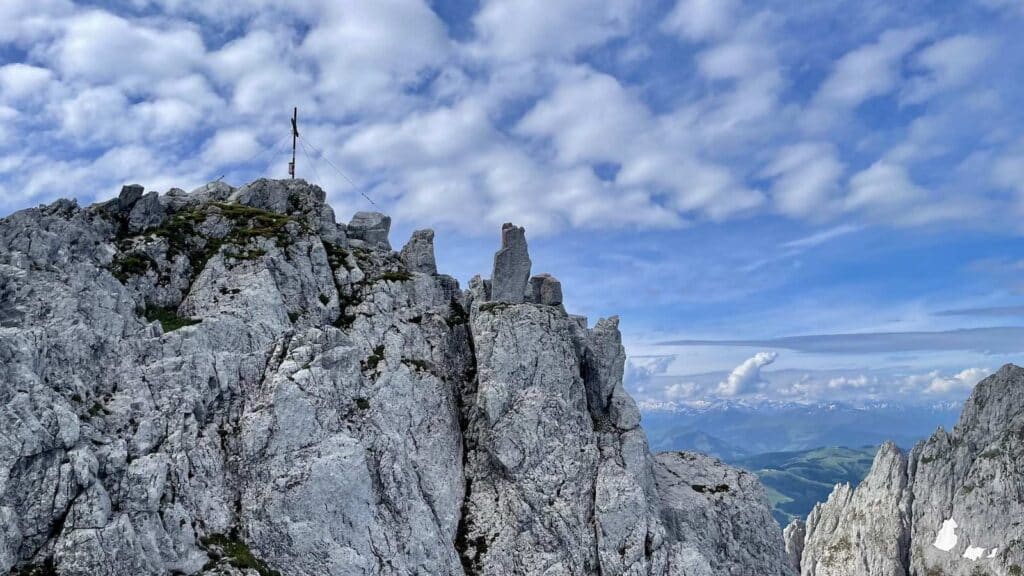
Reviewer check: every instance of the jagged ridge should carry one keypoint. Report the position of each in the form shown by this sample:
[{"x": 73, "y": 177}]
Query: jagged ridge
[
  {"x": 953, "y": 508},
  {"x": 227, "y": 381}
]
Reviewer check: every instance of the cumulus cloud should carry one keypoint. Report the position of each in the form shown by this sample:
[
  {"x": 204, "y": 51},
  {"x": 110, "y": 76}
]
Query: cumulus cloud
[
  {"x": 883, "y": 188},
  {"x": 746, "y": 378},
  {"x": 514, "y": 30},
  {"x": 806, "y": 180},
  {"x": 577, "y": 114},
  {"x": 700, "y": 19},
  {"x": 870, "y": 70},
  {"x": 962, "y": 381},
  {"x": 949, "y": 63}
]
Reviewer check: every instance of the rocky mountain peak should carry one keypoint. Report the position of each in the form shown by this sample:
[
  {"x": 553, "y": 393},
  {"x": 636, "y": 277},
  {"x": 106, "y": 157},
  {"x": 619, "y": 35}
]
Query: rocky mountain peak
[
  {"x": 953, "y": 507},
  {"x": 227, "y": 381}
]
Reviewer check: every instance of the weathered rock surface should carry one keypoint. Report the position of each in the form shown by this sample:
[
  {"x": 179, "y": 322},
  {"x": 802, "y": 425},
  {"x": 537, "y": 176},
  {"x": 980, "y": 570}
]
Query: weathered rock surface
[
  {"x": 228, "y": 382},
  {"x": 719, "y": 514},
  {"x": 545, "y": 289},
  {"x": 371, "y": 228},
  {"x": 511, "y": 266},
  {"x": 863, "y": 530},
  {"x": 793, "y": 535},
  {"x": 953, "y": 509},
  {"x": 418, "y": 253}
]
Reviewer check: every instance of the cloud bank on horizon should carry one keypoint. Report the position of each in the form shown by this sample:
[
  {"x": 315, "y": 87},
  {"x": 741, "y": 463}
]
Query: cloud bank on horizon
[{"x": 717, "y": 170}]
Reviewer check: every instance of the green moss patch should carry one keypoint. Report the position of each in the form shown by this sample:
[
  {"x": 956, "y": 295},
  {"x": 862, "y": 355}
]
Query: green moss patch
[
  {"x": 236, "y": 552},
  {"x": 168, "y": 318},
  {"x": 127, "y": 266},
  {"x": 395, "y": 276},
  {"x": 373, "y": 360}
]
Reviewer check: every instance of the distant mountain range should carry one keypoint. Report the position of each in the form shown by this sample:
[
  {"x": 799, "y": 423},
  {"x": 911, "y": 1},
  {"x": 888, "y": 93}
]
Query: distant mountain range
[{"x": 735, "y": 430}]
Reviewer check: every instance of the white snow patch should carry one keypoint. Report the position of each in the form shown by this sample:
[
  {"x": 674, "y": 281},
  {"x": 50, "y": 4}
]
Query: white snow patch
[
  {"x": 993, "y": 553},
  {"x": 974, "y": 553},
  {"x": 946, "y": 539}
]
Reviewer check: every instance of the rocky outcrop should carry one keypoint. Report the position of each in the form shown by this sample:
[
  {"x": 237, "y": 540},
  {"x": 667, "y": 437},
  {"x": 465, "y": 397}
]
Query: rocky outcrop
[
  {"x": 794, "y": 535},
  {"x": 863, "y": 530},
  {"x": 418, "y": 253},
  {"x": 511, "y": 266},
  {"x": 952, "y": 508},
  {"x": 717, "y": 518},
  {"x": 545, "y": 289},
  {"x": 229, "y": 382},
  {"x": 371, "y": 229}
]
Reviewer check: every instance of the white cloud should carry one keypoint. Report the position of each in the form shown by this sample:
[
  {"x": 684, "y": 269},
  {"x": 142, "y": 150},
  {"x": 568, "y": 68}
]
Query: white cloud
[
  {"x": 367, "y": 53},
  {"x": 101, "y": 48},
  {"x": 882, "y": 189},
  {"x": 806, "y": 180},
  {"x": 559, "y": 115},
  {"x": 18, "y": 81},
  {"x": 589, "y": 117},
  {"x": 866, "y": 72},
  {"x": 700, "y": 19},
  {"x": 870, "y": 70},
  {"x": 514, "y": 30},
  {"x": 25, "y": 21},
  {"x": 960, "y": 382},
  {"x": 949, "y": 63},
  {"x": 746, "y": 378},
  {"x": 230, "y": 146}
]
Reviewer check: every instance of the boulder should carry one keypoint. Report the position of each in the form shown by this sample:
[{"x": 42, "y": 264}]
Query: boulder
[
  {"x": 130, "y": 194},
  {"x": 372, "y": 228},
  {"x": 545, "y": 289}
]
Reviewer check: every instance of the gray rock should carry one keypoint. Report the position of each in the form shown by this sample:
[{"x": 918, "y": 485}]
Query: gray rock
[
  {"x": 146, "y": 213},
  {"x": 511, "y": 266},
  {"x": 418, "y": 252},
  {"x": 247, "y": 383},
  {"x": 130, "y": 194},
  {"x": 720, "y": 512},
  {"x": 953, "y": 509},
  {"x": 546, "y": 290},
  {"x": 794, "y": 534},
  {"x": 371, "y": 228},
  {"x": 863, "y": 530}
]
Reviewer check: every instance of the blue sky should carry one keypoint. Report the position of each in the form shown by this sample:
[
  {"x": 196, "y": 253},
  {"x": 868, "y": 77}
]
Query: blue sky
[{"x": 732, "y": 178}]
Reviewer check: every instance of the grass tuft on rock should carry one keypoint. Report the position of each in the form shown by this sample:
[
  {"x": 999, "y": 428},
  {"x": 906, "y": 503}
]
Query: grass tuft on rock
[
  {"x": 236, "y": 552},
  {"x": 168, "y": 318}
]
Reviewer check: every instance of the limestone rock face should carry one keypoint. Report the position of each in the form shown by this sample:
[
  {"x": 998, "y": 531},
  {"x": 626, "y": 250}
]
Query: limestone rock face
[
  {"x": 794, "y": 535},
  {"x": 371, "y": 228},
  {"x": 865, "y": 529},
  {"x": 228, "y": 382},
  {"x": 952, "y": 508},
  {"x": 545, "y": 289},
  {"x": 511, "y": 266},
  {"x": 146, "y": 213},
  {"x": 418, "y": 253},
  {"x": 719, "y": 513},
  {"x": 967, "y": 486}
]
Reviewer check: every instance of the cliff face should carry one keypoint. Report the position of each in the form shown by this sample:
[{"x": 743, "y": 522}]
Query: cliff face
[
  {"x": 229, "y": 382},
  {"x": 955, "y": 508}
]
